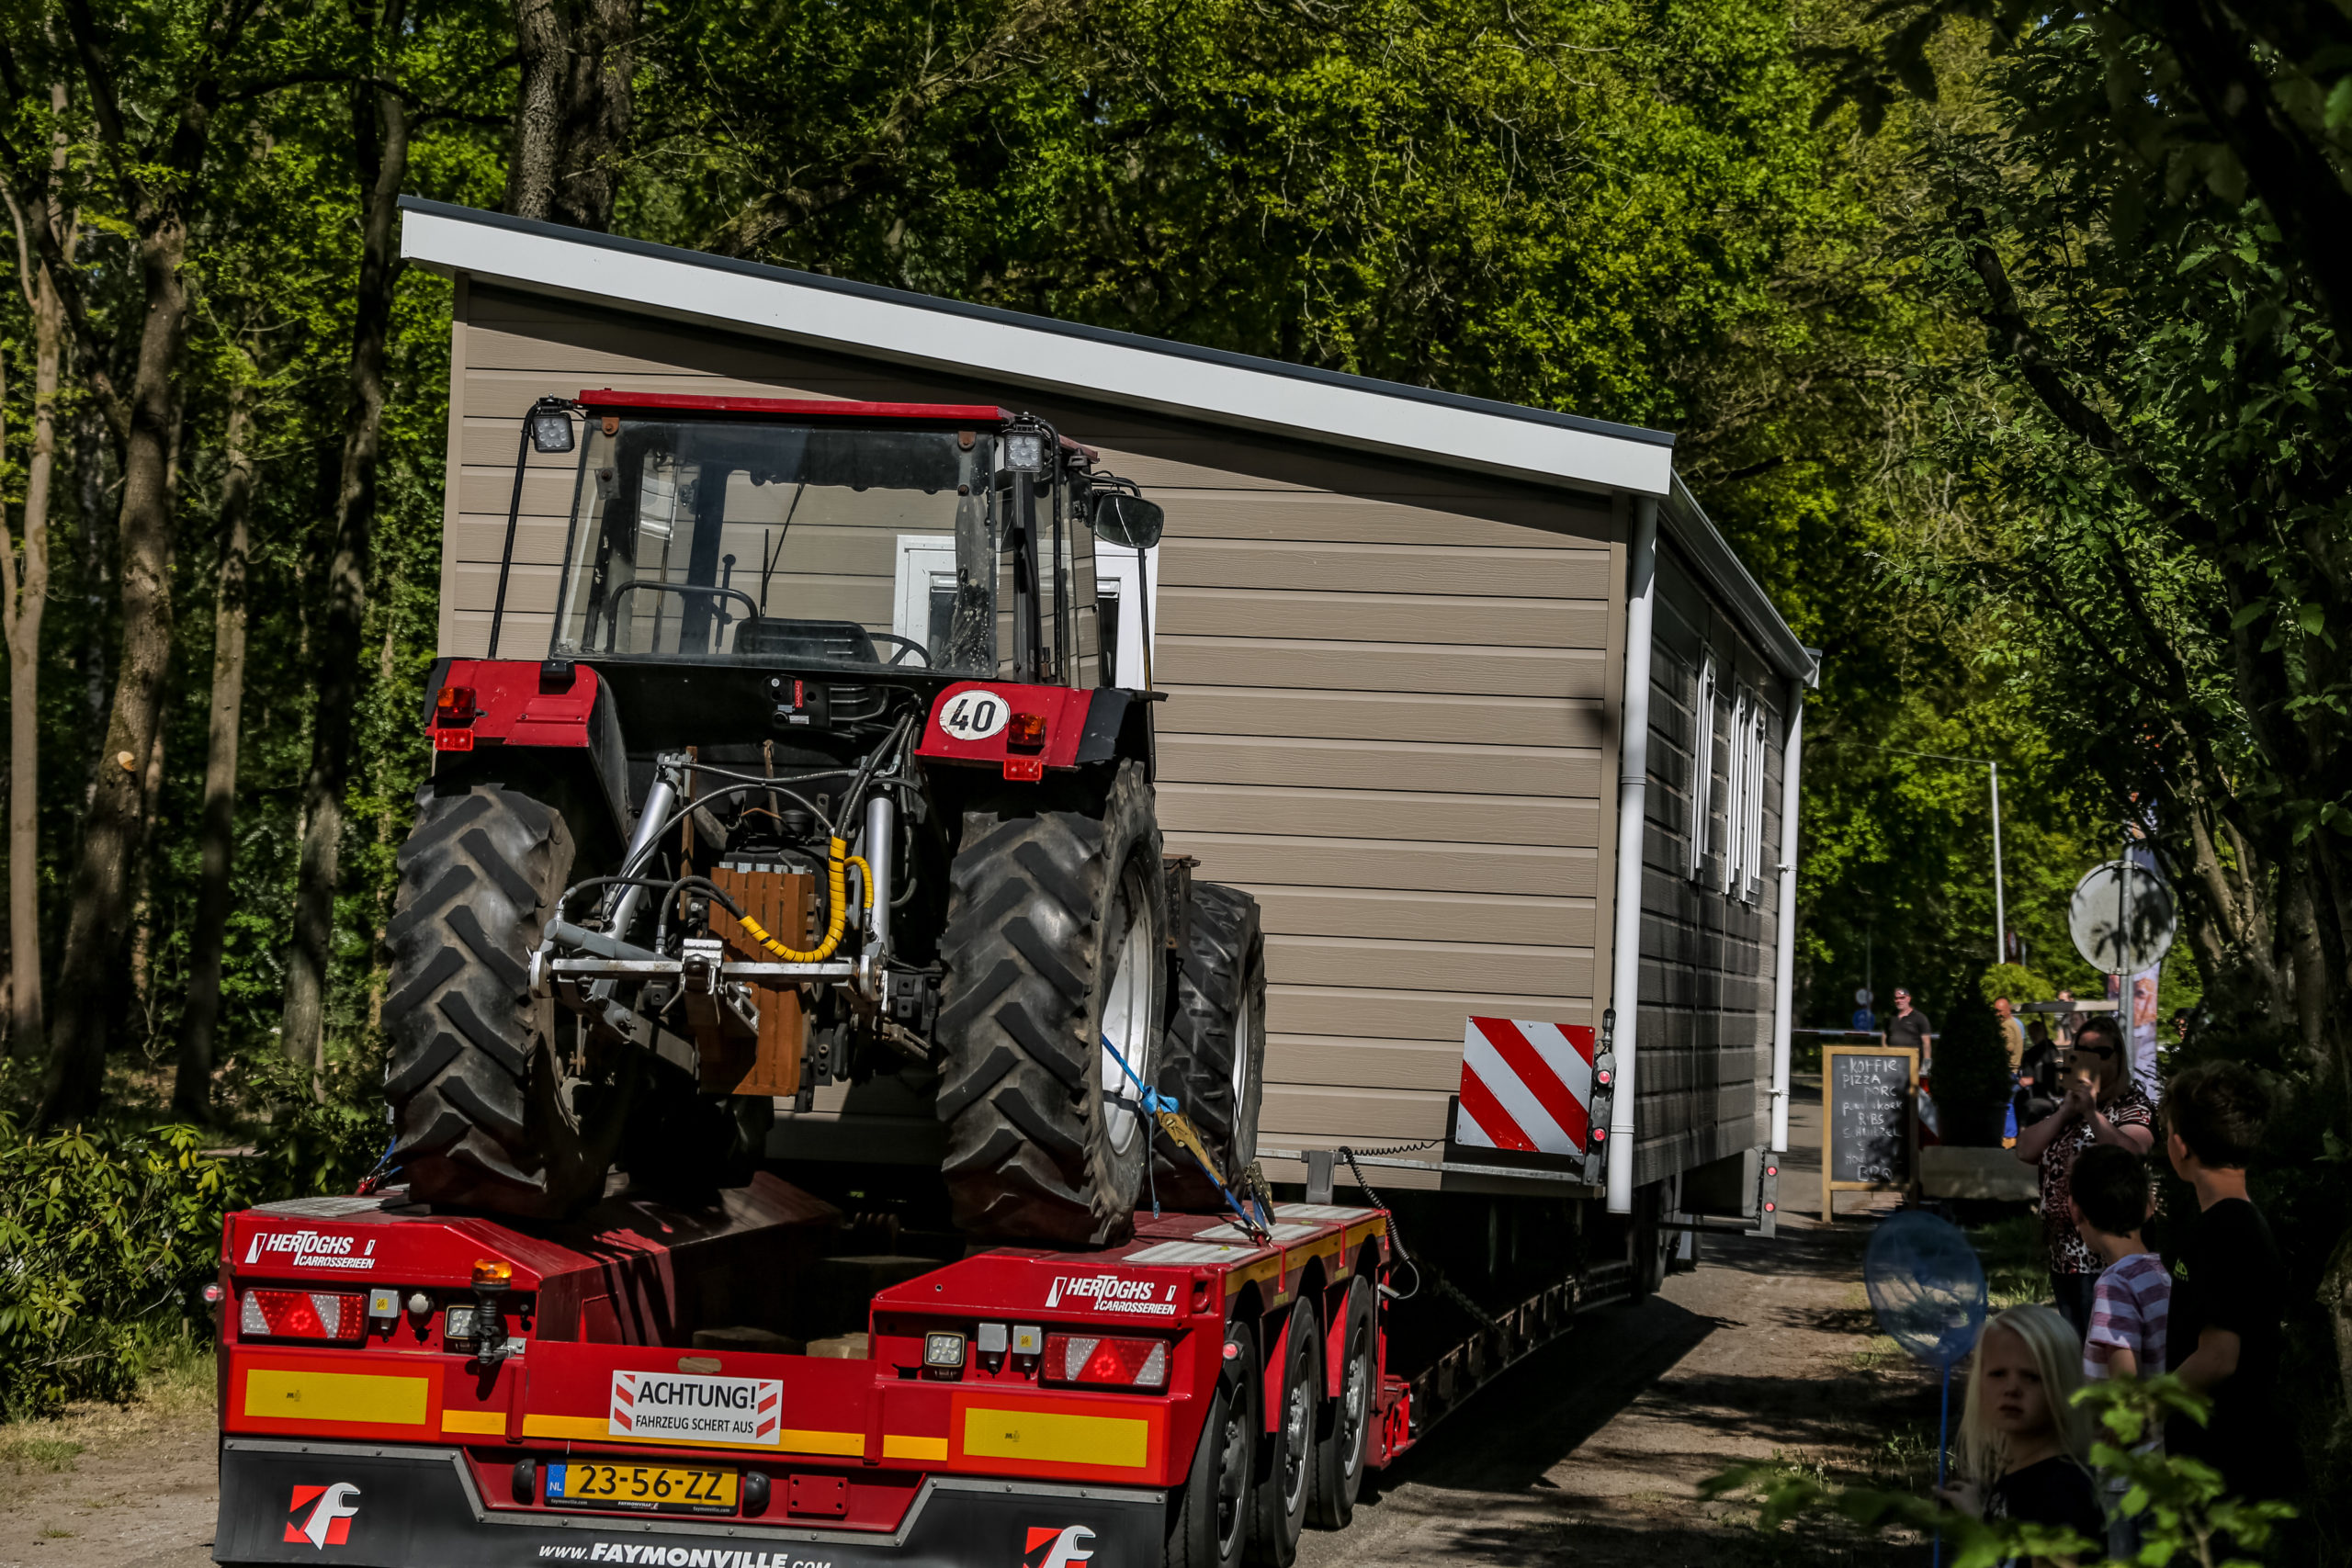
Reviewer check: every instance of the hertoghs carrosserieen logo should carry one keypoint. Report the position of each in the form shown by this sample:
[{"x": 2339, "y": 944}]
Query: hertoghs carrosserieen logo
[
  {"x": 1051, "y": 1548},
  {"x": 323, "y": 1515}
]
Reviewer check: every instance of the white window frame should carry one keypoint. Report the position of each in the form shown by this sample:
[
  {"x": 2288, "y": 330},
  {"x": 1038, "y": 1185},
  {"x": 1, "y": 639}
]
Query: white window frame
[
  {"x": 1702, "y": 763},
  {"x": 1736, "y": 793},
  {"x": 1754, "y": 859},
  {"x": 923, "y": 559},
  {"x": 1119, "y": 575}
]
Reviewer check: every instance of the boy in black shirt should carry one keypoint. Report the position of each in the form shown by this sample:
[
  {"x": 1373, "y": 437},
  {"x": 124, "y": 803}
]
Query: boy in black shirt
[{"x": 2229, "y": 1282}]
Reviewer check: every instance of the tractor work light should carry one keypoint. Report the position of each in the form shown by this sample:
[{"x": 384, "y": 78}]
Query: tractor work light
[
  {"x": 302, "y": 1314},
  {"x": 550, "y": 421},
  {"x": 942, "y": 1352},
  {"x": 1105, "y": 1359},
  {"x": 1025, "y": 451}
]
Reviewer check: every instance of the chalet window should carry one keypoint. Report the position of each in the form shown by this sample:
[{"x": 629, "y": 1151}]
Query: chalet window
[
  {"x": 1736, "y": 796},
  {"x": 1702, "y": 763}
]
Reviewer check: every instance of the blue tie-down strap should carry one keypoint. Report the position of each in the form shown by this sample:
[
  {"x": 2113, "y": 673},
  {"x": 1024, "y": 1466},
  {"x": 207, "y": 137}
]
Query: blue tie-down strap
[{"x": 1247, "y": 1212}]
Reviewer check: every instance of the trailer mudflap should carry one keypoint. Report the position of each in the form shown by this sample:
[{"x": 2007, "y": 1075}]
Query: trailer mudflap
[{"x": 397, "y": 1506}]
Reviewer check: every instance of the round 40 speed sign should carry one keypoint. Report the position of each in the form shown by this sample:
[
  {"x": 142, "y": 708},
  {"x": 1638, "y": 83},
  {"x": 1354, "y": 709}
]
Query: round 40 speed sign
[{"x": 975, "y": 715}]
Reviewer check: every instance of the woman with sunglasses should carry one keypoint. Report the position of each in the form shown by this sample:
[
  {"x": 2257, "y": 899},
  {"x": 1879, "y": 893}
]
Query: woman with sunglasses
[{"x": 2102, "y": 1105}]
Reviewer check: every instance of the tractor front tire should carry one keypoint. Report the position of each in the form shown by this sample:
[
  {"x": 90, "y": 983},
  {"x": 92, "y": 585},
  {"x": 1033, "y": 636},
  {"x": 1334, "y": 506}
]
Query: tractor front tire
[
  {"x": 1215, "y": 1060},
  {"x": 481, "y": 1115},
  {"x": 1056, "y": 937}
]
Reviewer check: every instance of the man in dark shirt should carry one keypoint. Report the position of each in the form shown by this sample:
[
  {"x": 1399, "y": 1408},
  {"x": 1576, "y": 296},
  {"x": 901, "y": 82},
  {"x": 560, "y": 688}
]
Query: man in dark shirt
[
  {"x": 1909, "y": 1028},
  {"x": 2228, "y": 1283}
]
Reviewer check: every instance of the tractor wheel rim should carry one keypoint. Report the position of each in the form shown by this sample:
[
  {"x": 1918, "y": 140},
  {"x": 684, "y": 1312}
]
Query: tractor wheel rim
[
  {"x": 1242, "y": 1020},
  {"x": 1126, "y": 1027}
]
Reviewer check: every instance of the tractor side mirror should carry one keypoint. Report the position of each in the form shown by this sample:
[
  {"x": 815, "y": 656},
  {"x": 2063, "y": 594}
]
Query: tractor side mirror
[{"x": 1128, "y": 521}]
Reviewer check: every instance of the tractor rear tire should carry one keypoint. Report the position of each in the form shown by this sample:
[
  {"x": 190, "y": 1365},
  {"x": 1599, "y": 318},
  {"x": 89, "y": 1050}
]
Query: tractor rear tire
[
  {"x": 479, "y": 1105},
  {"x": 1216, "y": 1061},
  {"x": 1055, "y": 936}
]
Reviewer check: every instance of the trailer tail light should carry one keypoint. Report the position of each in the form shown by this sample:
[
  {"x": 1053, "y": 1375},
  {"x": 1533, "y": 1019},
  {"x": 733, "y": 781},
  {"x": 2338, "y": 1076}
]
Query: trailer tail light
[
  {"x": 1104, "y": 1359},
  {"x": 303, "y": 1314}
]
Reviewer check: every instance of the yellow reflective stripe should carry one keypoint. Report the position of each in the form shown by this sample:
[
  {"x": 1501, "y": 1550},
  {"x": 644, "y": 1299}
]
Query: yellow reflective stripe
[
  {"x": 474, "y": 1423},
  {"x": 273, "y": 1394},
  {"x": 1046, "y": 1437},
  {"x": 934, "y": 1449}
]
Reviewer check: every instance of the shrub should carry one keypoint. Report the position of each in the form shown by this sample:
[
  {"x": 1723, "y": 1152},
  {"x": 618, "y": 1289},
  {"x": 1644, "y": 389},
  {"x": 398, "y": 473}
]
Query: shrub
[{"x": 2016, "y": 982}]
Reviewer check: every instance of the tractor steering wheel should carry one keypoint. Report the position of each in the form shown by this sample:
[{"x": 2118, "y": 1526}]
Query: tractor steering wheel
[{"x": 906, "y": 645}]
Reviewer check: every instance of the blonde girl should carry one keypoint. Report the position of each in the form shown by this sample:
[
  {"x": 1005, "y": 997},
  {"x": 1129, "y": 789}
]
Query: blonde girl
[{"x": 2024, "y": 1446}]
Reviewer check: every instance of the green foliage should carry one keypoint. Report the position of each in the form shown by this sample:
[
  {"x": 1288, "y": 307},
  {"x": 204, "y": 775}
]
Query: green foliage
[
  {"x": 2016, "y": 982},
  {"x": 107, "y": 1237},
  {"x": 1972, "y": 1076},
  {"x": 2178, "y": 1501}
]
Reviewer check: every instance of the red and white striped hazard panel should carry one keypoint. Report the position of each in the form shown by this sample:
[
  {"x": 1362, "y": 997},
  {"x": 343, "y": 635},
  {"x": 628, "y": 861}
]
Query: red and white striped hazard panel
[{"x": 1524, "y": 1085}]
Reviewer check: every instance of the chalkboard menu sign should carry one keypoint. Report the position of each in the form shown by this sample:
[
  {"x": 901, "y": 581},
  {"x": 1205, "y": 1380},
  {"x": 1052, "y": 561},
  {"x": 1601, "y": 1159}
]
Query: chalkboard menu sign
[{"x": 1866, "y": 1118}]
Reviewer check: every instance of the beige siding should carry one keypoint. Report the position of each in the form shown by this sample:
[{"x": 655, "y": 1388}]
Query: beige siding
[{"x": 1391, "y": 694}]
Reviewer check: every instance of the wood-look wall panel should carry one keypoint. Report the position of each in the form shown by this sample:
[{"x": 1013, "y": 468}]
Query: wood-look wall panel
[
  {"x": 1406, "y": 717},
  {"x": 1311, "y": 1059},
  {"x": 1319, "y": 515},
  {"x": 1401, "y": 1115},
  {"x": 1279, "y": 861},
  {"x": 1409, "y": 915},
  {"x": 1188, "y": 563},
  {"x": 1431, "y": 966},
  {"x": 1363, "y": 814},
  {"x": 1297, "y": 664},
  {"x": 1393, "y": 1013},
  {"x": 1435, "y": 619},
  {"x": 1570, "y": 775}
]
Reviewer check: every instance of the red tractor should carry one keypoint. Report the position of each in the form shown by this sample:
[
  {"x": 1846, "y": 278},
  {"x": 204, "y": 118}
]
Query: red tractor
[{"x": 823, "y": 769}]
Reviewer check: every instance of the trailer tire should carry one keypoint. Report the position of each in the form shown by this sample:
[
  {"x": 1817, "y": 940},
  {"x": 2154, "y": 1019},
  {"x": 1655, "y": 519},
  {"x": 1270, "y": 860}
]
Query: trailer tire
[
  {"x": 1344, "y": 1432},
  {"x": 1215, "y": 1060},
  {"x": 1208, "y": 1516},
  {"x": 483, "y": 1116},
  {"x": 1056, "y": 933},
  {"x": 1286, "y": 1466}
]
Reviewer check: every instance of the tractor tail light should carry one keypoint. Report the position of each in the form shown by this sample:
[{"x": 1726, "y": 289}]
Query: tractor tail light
[
  {"x": 1105, "y": 1359},
  {"x": 456, "y": 705},
  {"x": 303, "y": 1314}
]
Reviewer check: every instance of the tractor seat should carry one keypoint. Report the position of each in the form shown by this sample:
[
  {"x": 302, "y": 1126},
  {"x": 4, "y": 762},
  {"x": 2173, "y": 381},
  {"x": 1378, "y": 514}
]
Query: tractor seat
[{"x": 845, "y": 641}]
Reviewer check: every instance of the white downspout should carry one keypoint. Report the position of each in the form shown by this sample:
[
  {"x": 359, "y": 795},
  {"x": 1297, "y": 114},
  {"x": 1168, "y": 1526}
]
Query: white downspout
[
  {"x": 1632, "y": 802},
  {"x": 1784, "y": 976}
]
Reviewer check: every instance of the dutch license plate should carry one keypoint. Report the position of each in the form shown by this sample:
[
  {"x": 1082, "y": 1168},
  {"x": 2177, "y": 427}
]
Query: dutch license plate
[{"x": 661, "y": 1487}]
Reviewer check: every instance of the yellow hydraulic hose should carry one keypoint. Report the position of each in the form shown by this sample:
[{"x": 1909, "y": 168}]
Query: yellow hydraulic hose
[{"x": 837, "y": 861}]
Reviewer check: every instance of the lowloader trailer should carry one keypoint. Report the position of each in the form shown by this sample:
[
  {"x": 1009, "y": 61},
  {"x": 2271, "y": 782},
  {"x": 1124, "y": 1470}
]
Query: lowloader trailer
[{"x": 401, "y": 1386}]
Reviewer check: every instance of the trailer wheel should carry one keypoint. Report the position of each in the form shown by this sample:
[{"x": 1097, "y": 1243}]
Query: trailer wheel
[
  {"x": 482, "y": 1112},
  {"x": 1216, "y": 1061},
  {"x": 1057, "y": 923},
  {"x": 1344, "y": 1434},
  {"x": 1286, "y": 1468},
  {"x": 1208, "y": 1521}
]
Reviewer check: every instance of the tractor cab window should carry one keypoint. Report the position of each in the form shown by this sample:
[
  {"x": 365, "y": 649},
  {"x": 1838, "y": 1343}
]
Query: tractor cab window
[{"x": 721, "y": 540}]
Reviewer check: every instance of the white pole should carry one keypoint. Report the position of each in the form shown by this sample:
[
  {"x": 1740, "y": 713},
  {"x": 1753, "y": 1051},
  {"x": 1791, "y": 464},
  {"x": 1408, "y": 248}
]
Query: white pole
[
  {"x": 1784, "y": 976},
  {"x": 1633, "y": 791},
  {"x": 2001, "y": 908}
]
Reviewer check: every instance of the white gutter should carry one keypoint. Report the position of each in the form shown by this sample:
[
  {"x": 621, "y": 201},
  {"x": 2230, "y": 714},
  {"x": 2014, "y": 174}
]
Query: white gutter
[
  {"x": 1783, "y": 976},
  {"x": 940, "y": 336},
  {"x": 1632, "y": 802}
]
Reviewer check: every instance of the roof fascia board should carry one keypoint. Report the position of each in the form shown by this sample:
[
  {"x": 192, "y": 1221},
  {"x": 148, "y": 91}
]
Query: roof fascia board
[
  {"x": 1710, "y": 555},
  {"x": 654, "y": 280}
]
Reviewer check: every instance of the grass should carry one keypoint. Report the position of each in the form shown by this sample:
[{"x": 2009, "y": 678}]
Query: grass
[
  {"x": 2017, "y": 1267},
  {"x": 179, "y": 1387},
  {"x": 21, "y": 1451}
]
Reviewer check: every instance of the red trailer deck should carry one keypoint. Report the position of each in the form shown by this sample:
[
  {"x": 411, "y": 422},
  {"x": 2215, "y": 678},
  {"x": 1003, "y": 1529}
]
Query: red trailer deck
[{"x": 405, "y": 1387}]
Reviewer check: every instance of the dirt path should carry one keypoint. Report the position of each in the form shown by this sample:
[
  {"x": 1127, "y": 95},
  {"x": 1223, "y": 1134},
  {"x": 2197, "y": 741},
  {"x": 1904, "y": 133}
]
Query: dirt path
[{"x": 1591, "y": 1451}]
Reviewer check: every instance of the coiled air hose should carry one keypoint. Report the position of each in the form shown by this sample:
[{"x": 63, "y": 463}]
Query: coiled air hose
[{"x": 838, "y": 859}]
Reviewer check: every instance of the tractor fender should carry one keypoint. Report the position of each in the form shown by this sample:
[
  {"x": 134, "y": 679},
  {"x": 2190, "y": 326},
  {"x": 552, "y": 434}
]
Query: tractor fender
[
  {"x": 1027, "y": 730},
  {"x": 558, "y": 714}
]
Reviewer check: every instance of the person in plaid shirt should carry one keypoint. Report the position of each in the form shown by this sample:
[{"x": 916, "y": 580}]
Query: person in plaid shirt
[{"x": 2103, "y": 1106}]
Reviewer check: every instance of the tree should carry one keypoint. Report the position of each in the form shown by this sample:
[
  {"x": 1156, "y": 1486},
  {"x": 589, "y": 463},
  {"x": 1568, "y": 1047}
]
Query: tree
[{"x": 573, "y": 108}]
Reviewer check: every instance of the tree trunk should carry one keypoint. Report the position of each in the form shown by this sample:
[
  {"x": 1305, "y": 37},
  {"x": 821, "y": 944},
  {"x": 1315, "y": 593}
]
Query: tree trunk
[
  {"x": 381, "y": 122},
  {"x": 573, "y": 109},
  {"x": 28, "y": 597},
  {"x": 192, "y": 1086},
  {"x": 76, "y": 1076}
]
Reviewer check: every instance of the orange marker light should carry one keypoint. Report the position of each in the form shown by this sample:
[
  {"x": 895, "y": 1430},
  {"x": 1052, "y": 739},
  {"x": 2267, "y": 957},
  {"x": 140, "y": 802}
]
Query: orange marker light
[
  {"x": 456, "y": 705},
  {"x": 1025, "y": 732},
  {"x": 493, "y": 1271}
]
